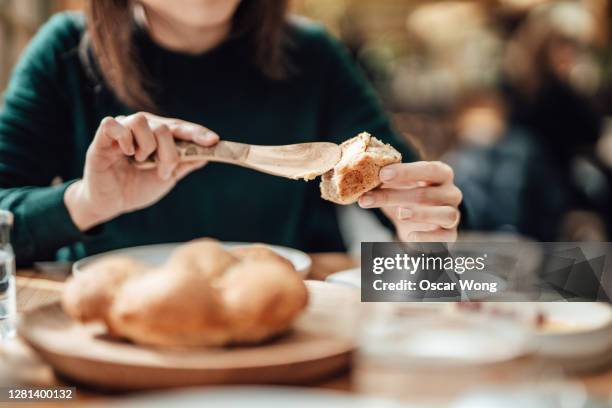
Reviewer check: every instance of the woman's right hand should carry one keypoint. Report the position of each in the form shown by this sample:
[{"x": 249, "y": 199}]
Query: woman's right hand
[{"x": 111, "y": 185}]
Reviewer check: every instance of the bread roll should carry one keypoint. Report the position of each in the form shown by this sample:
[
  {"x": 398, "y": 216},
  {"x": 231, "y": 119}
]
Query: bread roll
[
  {"x": 170, "y": 308},
  {"x": 88, "y": 295},
  {"x": 202, "y": 296},
  {"x": 261, "y": 298},
  {"x": 357, "y": 171},
  {"x": 206, "y": 256}
]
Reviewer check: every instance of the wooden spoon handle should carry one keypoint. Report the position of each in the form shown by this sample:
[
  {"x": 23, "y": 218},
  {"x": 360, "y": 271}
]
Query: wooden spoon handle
[{"x": 226, "y": 152}]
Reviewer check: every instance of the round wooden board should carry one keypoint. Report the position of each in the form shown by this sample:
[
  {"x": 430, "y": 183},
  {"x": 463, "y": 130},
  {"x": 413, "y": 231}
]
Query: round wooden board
[{"x": 320, "y": 344}]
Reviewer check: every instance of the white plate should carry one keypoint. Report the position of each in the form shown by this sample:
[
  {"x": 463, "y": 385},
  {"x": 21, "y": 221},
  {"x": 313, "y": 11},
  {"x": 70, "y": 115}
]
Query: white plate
[
  {"x": 255, "y": 397},
  {"x": 156, "y": 255}
]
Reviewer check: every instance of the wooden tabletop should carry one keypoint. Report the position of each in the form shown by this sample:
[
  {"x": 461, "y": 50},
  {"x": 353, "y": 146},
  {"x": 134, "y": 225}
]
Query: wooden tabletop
[{"x": 19, "y": 365}]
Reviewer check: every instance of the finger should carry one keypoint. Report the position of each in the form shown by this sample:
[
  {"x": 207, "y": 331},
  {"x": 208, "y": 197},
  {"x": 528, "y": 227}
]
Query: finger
[
  {"x": 111, "y": 132},
  {"x": 443, "y": 216},
  {"x": 194, "y": 133},
  {"x": 433, "y": 195},
  {"x": 167, "y": 155},
  {"x": 406, "y": 174},
  {"x": 440, "y": 235},
  {"x": 405, "y": 186},
  {"x": 145, "y": 139},
  {"x": 184, "y": 169},
  {"x": 393, "y": 214},
  {"x": 189, "y": 131},
  {"x": 185, "y": 130}
]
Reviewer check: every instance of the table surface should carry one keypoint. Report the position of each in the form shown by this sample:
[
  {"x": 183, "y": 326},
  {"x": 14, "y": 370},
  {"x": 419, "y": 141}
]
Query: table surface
[{"x": 20, "y": 365}]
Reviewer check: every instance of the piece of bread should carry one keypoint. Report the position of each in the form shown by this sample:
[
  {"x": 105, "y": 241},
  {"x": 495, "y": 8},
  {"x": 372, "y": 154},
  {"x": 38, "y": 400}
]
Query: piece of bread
[
  {"x": 205, "y": 255},
  {"x": 170, "y": 308},
  {"x": 202, "y": 296},
  {"x": 261, "y": 299},
  {"x": 357, "y": 171},
  {"x": 88, "y": 295}
]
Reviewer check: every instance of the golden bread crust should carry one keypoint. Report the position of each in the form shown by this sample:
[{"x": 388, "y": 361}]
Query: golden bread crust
[
  {"x": 88, "y": 296},
  {"x": 203, "y": 296},
  {"x": 262, "y": 299},
  {"x": 165, "y": 309}
]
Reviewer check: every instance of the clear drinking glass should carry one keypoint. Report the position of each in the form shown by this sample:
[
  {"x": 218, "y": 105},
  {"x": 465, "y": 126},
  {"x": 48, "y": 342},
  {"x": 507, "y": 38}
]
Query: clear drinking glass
[
  {"x": 8, "y": 304},
  {"x": 425, "y": 355}
]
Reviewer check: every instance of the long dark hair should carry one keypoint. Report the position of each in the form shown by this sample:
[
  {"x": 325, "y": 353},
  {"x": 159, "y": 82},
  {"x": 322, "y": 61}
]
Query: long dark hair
[{"x": 110, "y": 35}]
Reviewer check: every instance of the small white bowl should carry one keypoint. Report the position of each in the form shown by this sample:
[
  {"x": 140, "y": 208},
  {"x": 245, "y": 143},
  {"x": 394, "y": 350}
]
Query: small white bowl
[
  {"x": 575, "y": 329},
  {"x": 575, "y": 335}
]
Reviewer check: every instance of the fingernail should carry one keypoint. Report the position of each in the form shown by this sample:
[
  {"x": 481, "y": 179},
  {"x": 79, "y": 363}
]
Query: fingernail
[
  {"x": 386, "y": 174},
  {"x": 405, "y": 213},
  {"x": 366, "y": 201},
  {"x": 205, "y": 138}
]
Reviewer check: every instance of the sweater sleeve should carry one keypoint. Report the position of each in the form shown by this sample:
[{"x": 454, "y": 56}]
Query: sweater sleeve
[{"x": 34, "y": 145}]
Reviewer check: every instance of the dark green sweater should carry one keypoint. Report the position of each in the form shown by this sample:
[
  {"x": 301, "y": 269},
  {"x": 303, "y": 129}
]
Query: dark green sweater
[{"x": 52, "y": 108}]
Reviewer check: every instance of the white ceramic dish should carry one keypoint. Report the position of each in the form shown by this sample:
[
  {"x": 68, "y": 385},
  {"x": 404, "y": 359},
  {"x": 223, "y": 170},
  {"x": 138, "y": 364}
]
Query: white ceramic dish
[
  {"x": 578, "y": 329},
  {"x": 578, "y": 337},
  {"x": 255, "y": 397},
  {"x": 155, "y": 255}
]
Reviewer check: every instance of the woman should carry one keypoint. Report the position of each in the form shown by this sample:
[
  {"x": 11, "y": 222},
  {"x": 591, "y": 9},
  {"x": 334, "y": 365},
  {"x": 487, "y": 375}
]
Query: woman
[{"x": 232, "y": 68}]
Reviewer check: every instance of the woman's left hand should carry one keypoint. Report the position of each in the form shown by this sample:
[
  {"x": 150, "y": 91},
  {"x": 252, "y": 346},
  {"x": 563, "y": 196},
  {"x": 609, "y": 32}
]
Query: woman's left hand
[{"x": 420, "y": 198}]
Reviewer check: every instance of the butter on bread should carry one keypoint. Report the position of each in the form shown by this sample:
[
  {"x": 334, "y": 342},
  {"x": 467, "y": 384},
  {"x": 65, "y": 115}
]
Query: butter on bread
[{"x": 357, "y": 171}]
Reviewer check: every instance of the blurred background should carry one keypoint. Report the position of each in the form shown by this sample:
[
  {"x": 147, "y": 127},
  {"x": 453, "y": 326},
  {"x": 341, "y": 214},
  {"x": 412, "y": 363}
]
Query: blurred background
[{"x": 515, "y": 94}]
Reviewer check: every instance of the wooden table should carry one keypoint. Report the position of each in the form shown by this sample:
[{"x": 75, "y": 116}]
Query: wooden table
[{"x": 19, "y": 365}]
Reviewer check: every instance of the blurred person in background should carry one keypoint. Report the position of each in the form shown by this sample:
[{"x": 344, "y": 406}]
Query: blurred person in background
[
  {"x": 548, "y": 73},
  {"x": 503, "y": 170},
  {"x": 89, "y": 94}
]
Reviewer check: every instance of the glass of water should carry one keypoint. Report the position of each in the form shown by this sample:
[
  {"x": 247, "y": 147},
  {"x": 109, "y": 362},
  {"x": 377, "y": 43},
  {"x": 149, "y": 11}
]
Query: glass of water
[
  {"x": 8, "y": 304},
  {"x": 426, "y": 355}
]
